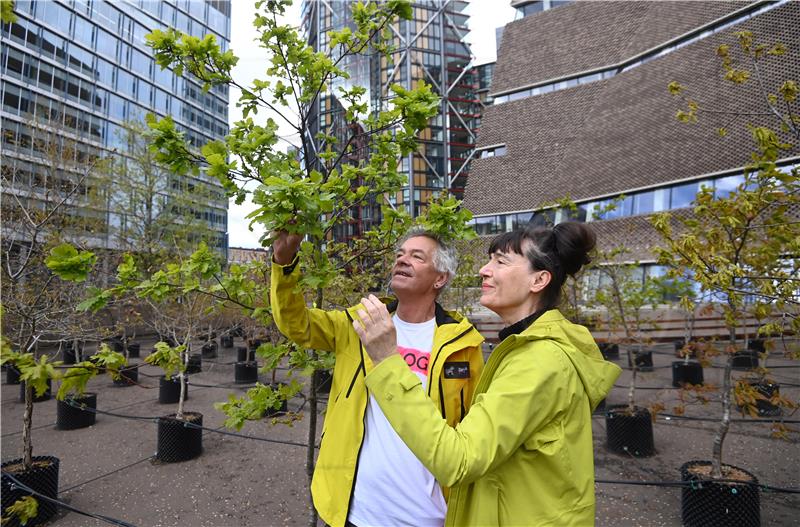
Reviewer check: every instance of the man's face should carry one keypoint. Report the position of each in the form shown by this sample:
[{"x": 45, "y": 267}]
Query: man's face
[{"x": 413, "y": 270}]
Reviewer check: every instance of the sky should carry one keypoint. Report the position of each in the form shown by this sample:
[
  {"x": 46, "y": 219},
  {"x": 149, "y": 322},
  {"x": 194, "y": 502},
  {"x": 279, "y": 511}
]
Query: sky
[{"x": 485, "y": 17}]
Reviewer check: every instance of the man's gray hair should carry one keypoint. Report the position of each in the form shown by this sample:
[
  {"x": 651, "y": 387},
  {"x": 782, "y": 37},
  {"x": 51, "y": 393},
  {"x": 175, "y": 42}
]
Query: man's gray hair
[{"x": 445, "y": 257}]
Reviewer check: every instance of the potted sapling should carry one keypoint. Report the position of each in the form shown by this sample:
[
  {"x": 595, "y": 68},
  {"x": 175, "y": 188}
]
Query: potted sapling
[
  {"x": 75, "y": 407},
  {"x": 735, "y": 247},
  {"x": 180, "y": 435}
]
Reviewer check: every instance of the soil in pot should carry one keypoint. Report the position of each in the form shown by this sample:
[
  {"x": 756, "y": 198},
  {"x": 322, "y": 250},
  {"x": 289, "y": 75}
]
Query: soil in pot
[
  {"x": 686, "y": 373},
  {"x": 609, "y": 350},
  {"x": 630, "y": 433},
  {"x": 12, "y": 374},
  {"x": 169, "y": 390},
  {"x": 643, "y": 360},
  {"x": 226, "y": 341},
  {"x": 324, "y": 379},
  {"x": 37, "y": 399},
  {"x": 245, "y": 372},
  {"x": 180, "y": 439},
  {"x": 42, "y": 478},
  {"x": 76, "y": 411},
  {"x": 745, "y": 360},
  {"x": 719, "y": 503},
  {"x": 128, "y": 376},
  {"x": 244, "y": 354}
]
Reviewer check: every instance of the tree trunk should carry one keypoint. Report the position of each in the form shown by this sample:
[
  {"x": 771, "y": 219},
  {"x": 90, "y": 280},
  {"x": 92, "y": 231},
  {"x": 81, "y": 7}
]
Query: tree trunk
[
  {"x": 27, "y": 421},
  {"x": 724, "y": 425}
]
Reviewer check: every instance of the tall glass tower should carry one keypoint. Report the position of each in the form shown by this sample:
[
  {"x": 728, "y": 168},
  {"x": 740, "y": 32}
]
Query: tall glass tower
[
  {"x": 78, "y": 71},
  {"x": 430, "y": 47}
]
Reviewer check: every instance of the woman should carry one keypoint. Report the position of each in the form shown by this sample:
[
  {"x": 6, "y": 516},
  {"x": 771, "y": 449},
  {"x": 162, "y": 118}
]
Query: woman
[{"x": 523, "y": 454}]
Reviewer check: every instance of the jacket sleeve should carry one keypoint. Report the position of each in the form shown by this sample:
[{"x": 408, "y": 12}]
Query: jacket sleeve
[
  {"x": 307, "y": 327},
  {"x": 523, "y": 398}
]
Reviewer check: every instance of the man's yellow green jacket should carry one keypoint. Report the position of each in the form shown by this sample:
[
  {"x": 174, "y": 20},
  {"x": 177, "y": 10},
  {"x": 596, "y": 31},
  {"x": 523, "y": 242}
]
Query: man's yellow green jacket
[{"x": 455, "y": 365}]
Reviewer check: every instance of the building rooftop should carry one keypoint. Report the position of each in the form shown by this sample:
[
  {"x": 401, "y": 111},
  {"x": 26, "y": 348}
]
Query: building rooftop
[{"x": 621, "y": 134}]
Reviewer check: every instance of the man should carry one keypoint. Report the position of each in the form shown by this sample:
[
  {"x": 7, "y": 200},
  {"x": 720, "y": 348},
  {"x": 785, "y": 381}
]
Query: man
[{"x": 365, "y": 475}]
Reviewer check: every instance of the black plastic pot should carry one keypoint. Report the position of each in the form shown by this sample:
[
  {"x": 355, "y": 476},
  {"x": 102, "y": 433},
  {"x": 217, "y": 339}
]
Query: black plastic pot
[
  {"x": 128, "y": 376},
  {"x": 707, "y": 503},
  {"x": 42, "y": 478},
  {"x": 686, "y": 373},
  {"x": 629, "y": 433},
  {"x": 756, "y": 345},
  {"x": 245, "y": 372},
  {"x": 284, "y": 405},
  {"x": 324, "y": 379},
  {"x": 71, "y": 355},
  {"x": 195, "y": 364},
  {"x": 134, "y": 350},
  {"x": 180, "y": 439},
  {"x": 745, "y": 360},
  {"x": 609, "y": 350},
  {"x": 12, "y": 374},
  {"x": 245, "y": 355},
  {"x": 76, "y": 411},
  {"x": 169, "y": 390},
  {"x": 209, "y": 349},
  {"x": 226, "y": 341},
  {"x": 764, "y": 407},
  {"x": 116, "y": 344},
  {"x": 37, "y": 399},
  {"x": 643, "y": 360}
]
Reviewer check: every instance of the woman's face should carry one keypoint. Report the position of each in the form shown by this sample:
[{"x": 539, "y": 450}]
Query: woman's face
[{"x": 510, "y": 287}]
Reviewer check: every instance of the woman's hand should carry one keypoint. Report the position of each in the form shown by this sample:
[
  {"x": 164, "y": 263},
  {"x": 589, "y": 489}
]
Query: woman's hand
[{"x": 376, "y": 329}]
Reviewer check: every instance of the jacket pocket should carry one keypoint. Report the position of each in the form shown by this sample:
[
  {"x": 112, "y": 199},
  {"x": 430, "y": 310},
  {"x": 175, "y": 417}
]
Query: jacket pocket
[{"x": 546, "y": 440}]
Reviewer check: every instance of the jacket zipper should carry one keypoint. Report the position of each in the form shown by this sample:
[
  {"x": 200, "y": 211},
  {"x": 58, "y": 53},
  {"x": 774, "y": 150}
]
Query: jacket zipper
[
  {"x": 438, "y": 353},
  {"x": 360, "y": 367},
  {"x": 358, "y": 456}
]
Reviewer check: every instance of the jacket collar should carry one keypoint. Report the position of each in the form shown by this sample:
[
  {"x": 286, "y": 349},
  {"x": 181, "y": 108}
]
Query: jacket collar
[
  {"x": 519, "y": 326},
  {"x": 442, "y": 316}
]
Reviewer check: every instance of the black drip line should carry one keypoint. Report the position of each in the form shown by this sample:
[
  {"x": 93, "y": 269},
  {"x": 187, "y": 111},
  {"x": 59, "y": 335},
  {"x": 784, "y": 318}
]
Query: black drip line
[
  {"x": 668, "y": 417},
  {"x": 15, "y": 483},
  {"x": 120, "y": 469},
  {"x": 697, "y": 484},
  {"x": 192, "y": 425}
]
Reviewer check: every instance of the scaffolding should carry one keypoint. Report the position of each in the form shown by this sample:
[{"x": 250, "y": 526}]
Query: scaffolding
[{"x": 431, "y": 46}]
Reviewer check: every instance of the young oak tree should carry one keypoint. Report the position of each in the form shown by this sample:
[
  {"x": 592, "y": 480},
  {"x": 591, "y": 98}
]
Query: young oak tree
[
  {"x": 744, "y": 247},
  {"x": 311, "y": 191}
]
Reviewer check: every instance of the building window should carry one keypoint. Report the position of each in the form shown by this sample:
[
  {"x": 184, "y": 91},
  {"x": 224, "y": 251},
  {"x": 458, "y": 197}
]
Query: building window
[
  {"x": 499, "y": 150},
  {"x": 724, "y": 186},
  {"x": 683, "y": 195}
]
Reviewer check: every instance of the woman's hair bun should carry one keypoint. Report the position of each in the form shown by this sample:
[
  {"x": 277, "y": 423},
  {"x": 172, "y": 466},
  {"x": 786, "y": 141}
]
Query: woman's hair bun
[{"x": 573, "y": 243}]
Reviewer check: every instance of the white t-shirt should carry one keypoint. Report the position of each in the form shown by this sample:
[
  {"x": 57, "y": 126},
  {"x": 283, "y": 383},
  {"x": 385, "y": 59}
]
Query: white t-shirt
[{"x": 392, "y": 486}]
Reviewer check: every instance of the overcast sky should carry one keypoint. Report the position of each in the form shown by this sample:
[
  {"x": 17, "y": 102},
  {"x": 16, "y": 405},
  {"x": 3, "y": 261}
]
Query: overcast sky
[{"x": 485, "y": 17}]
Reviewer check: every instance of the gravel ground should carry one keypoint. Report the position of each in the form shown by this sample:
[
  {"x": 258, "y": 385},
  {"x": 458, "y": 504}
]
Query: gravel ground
[{"x": 108, "y": 468}]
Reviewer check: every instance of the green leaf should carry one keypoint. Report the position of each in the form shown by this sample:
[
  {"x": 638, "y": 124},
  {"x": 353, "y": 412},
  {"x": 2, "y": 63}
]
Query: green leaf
[
  {"x": 70, "y": 264},
  {"x": 25, "y": 508}
]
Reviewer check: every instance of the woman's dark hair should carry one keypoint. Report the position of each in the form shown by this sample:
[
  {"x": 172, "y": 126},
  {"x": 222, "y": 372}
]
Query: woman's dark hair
[{"x": 562, "y": 250}]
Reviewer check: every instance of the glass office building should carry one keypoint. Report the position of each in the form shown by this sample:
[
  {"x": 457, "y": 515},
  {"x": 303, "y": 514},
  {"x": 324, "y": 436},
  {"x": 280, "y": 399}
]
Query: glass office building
[
  {"x": 78, "y": 70},
  {"x": 432, "y": 47}
]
